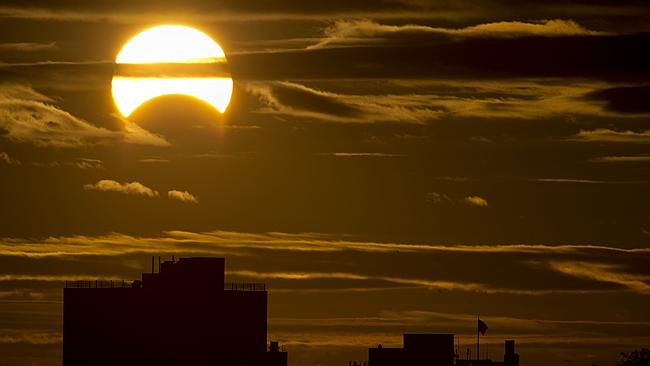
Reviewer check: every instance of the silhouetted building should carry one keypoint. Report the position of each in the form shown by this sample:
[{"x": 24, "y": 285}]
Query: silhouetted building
[
  {"x": 433, "y": 350},
  {"x": 183, "y": 315},
  {"x": 510, "y": 358},
  {"x": 419, "y": 349}
]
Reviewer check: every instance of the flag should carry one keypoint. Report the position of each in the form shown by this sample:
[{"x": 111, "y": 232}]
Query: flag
[{"x": 482, "y": 327}]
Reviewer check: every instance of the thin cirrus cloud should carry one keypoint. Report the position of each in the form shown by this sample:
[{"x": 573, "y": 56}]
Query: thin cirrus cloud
[
  {"x": 28, "y": 116},
  {"x": 609, "y": 135},
  {"x": 88, "y": 163},
  {"x": 604, "y": 273},
  {"x": 29, "y": 336},
  {"x": 450, "y": 319},
  {"x": 81, "y": 163},
  {"x": 529, "y": 330},
  {"x": 153, "y": 160},
  {"x": 305, "y": 242},
  {"x": 422, "y": 101},
  {"x": 360, "y": 32},
  {"x": 27, "y": 46},
  {"x": 430, "y": 284},
  {"x": 363, "y": 155},
  {"x": 551, "y": 331},
  {"x": 232, "y": 11},
  {"x": 442, "y": 198},
  {"x": 541, "y": 269},
  {"x": 356, "y": 32},
  {"x": 621, "y": 159},
  {"x": 282, "y": 10}
]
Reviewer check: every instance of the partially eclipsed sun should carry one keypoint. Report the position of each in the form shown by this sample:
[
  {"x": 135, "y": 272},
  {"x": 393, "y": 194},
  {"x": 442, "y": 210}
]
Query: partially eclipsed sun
[{"x": 171, "y": 59}]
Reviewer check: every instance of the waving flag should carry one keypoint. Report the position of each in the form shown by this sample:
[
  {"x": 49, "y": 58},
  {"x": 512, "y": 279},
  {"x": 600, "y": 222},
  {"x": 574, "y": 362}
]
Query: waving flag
[{"x": 482, "y": 327}]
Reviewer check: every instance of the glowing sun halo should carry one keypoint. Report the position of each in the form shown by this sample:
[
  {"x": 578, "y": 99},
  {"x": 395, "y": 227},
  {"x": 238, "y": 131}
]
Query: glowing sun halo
[{"x": 171, "y": 59}]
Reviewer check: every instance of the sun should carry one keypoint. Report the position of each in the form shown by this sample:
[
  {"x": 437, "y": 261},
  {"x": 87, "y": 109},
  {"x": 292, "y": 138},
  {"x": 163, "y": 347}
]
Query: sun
[{"x": 171, "y": 59}]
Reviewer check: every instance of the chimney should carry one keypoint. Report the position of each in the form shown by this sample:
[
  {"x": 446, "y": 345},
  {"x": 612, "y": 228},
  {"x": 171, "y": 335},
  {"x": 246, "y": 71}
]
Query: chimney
[
  {"x": 510, "y": 358},
  {"x": 510, "y": 346}
]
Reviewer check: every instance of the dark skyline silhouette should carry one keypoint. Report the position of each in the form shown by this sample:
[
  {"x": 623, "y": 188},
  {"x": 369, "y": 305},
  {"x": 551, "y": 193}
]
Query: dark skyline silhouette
[{"x": 186, "y": 314}]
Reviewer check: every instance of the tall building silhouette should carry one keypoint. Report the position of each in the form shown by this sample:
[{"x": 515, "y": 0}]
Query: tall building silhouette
[{"x": 182, "y": 315}]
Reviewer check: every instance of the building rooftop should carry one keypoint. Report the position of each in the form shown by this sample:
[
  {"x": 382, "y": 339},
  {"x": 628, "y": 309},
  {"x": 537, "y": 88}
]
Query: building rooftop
[{"x": 182, "y": 274}]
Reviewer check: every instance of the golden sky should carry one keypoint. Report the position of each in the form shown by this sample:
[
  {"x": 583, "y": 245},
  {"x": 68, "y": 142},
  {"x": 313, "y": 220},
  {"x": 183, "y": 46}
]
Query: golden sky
[{"x": 384, "y": 166}]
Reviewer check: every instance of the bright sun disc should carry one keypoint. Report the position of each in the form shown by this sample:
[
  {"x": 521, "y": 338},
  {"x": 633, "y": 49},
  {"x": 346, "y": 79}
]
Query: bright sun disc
[{"x": 171, "y": 59}]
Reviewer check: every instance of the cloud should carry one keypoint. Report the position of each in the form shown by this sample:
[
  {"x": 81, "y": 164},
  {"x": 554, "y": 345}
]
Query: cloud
[
  {"x": 447, "y": 319},
  {"x": 604, "y": 273},
  {"x": 621, "y": 159},
  {"x": 288, "y": 98},
  {"x": 571, "y": 180},
  {"x": 475, "y": 201},
  {"x": 364, "y": 154},
  {"x": 319, "y": 262},
  {"x": 350, "y": 32},
  {"x": 107, "y": 185},
  {"x": 608, "y": 135},
  {"x": 228, "y": 11},
  {"x": 589, "y": 181},
  {"x": 153, "y": 160},
  {"x": 27, "y": 46},
  {"x": 438, "y": 198},
  {"x": 426, "y": 283},
  {"x": 29, "y": 336},
  {"x": 441, "y": 198},
  {"x": 215, "y": 242},
  {"x": 183, "y": 196},
  {"x": 81, "y": 163},
  {"x": 21, "y": 294},
  {"x": 29, "y": 116},
  {"x": 134, "y": 134},
  {"x": 87, "y": 163},
  {"x": 423, "y": 101},
  {"x": 430, "y": 284},
  {"x": 5, "y": 158}
]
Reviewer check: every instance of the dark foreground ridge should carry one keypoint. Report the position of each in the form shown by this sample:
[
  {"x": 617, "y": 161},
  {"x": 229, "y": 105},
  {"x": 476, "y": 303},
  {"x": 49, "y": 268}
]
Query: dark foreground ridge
[{"x": 184, "y": 315}]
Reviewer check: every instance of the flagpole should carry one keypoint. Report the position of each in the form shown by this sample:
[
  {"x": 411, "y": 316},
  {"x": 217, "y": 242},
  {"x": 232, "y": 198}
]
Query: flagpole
[{"x": 478, "y": 333}]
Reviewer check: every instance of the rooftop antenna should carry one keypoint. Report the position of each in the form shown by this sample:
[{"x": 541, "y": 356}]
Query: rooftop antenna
[
  {"x": 152, "y": 259},
  {"x": 568, "y": 362},
  {"x": 478, "y": 337},
  {"x": 158, "y": 264}
]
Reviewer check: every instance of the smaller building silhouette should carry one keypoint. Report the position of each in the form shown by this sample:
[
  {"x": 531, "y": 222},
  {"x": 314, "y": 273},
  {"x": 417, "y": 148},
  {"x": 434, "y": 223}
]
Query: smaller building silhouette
[
  {"x": 433, "y": 350},
  {"x": 510, "y": 358}
]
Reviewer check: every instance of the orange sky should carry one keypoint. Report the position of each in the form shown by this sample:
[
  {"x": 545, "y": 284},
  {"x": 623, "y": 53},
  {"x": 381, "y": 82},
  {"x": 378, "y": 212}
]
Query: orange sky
[{"x": 384, "y": 166}]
